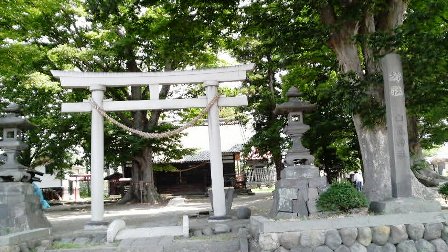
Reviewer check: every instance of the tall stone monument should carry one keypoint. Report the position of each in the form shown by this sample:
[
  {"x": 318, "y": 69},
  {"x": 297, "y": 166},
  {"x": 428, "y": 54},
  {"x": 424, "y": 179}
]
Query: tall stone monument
[
  {"x": 300, "y": 182},
  {"x": 20, "y": 208},
  {"x": 402, "y": 200}
]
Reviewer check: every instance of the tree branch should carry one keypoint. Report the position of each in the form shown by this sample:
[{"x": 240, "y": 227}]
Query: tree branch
[
  {"x": 328, "y": 15},
  {"x": 393, "y": 15},
  {"x": 155, "y": 114}
]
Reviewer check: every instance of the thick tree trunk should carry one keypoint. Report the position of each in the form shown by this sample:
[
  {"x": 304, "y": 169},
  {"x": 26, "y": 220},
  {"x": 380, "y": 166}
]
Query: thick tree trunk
[
  {"x": 375, "y": 158},
  {"x": 143, "y": 189}
]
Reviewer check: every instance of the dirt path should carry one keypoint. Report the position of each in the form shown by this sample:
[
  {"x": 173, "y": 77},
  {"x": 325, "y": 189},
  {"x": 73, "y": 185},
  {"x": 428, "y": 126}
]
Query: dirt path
[{"x": 65, "y": 222}]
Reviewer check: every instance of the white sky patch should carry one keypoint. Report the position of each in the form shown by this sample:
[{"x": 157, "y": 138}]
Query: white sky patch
[{"x": 197, "y": 137}]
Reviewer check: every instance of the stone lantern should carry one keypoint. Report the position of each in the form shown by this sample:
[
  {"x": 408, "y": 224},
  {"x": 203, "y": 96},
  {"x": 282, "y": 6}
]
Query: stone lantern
[
  {"x": 12, "y": 125},
  {"x": 300, "y": 182},
  {"x": 20, "y": 208},
  {"x": 295, "y": 129}
]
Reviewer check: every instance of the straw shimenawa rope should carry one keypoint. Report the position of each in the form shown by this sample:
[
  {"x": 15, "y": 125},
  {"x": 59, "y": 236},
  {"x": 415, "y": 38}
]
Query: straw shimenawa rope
[{"x": 155, "y": 135}]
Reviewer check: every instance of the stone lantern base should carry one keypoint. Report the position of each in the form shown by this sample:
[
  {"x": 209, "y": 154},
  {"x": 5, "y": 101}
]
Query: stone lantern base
[
  {"x": 20, "y": 208},
  {"x": 297, "y": 191}
]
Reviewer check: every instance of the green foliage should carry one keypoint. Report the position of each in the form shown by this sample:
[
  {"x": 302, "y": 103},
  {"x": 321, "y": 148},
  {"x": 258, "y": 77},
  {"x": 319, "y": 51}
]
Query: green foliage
[
  {"x": 341, "y": 196},
  {"x": 39, "y": 35},
  {"x": 84, "y": 190},
  {"x": 443, "y": 189},
  {"x": 420, "y": 165}
]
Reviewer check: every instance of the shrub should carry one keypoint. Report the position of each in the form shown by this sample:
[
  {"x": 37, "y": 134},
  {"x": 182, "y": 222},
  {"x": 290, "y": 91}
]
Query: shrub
[
  {"x": 443, "y": 190},
  {"x": 341, "y": 196}
]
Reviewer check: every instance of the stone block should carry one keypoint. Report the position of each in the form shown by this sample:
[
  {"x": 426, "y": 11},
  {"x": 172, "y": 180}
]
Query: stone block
[
  {"x": 356, "y": 247},
  {"x": 333, "y": 239},
  {"x": 404, "y": 205},
  {"x": 374, "y": 248},
  {"x": 207, "y": 231},
  {"x": 398, "y": 234},
  {"x": 303, "y": 193},
  {"x": 323, "y": 249},
  {"x": 424, "y": 245},
  {"x": 300, "y": 207},
  {"x": 149, "y": 232},
  {"x": 317, "y": 182},
  {"x": 312, "y": 206},
  {"x": 292, "y": 183},
  {"x": 380, "y": 234},
  {"x": 281, "y": 249},
  {"x": 440, "y": 245},
  {"x": 303, "y": 171},
  {"x": 415, "y": 231},
  {"x": 243, "y": 213},
  {"x": 313, "y": 195},
  {"x": 286, "y": 215},
  {"x": 221, "y": 228},
  {"x": 348, "y": 236},
  {"x": 364, "y": 236},
  {"x": 342, "y": 248},
  {"x": 445, "y": 234},
  {"x": 289, "y": 240},
  {"x": 389, "y": 247},
  {"x": 268, "y": 241},
  {"x": 285, "y": 197},
  {"x": 312, "y": 238},
  {"x": 301, "y": 249},
  {"x": 406, "y": 246},
  {"x": 433, "y": 231},
  {"x": 197, "y": 233}
]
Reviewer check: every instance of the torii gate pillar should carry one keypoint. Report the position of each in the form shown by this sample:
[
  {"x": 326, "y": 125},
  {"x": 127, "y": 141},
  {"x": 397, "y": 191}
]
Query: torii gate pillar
[
  {"x": 214, "y": 139},
  {"x": 97, "y": 158}
]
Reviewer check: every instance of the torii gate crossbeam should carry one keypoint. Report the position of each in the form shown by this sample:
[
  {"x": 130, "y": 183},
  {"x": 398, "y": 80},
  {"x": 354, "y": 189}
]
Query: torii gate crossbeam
[{"x": 97, "y": 83}]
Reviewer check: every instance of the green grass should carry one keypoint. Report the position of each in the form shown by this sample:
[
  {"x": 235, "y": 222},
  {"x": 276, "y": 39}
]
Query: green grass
[
  {"x": 65, "y": 245},
  {"x": 263, "y": 189}
]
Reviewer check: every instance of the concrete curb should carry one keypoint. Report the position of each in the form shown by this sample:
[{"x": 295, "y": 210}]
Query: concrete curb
[{"x": 29, "y": 235}]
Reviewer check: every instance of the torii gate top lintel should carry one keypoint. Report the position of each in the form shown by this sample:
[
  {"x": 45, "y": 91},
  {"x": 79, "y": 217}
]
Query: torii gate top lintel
[{"x": 71, "y": 79}]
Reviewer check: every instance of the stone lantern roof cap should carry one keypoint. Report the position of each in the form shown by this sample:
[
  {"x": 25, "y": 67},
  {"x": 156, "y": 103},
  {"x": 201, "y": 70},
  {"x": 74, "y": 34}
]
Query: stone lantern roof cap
[
  {"x": 294, "y": 103},
  {"x": 13, "y": 120}
]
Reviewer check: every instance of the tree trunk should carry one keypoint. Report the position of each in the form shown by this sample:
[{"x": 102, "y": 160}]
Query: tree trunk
[
  {"x": 143, "y": 184},
  {"x": 278, "y": 164},
  {"x": 375, "y": 158}
]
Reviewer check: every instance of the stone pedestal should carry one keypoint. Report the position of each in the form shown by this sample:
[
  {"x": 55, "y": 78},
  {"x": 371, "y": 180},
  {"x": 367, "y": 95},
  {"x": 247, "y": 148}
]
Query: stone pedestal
[
  {"x": 297, "y": 191},
  {"x": 404, "y": 205},
  {"x": 228, "y": 194},
  {"x": 20, "y": 208}
]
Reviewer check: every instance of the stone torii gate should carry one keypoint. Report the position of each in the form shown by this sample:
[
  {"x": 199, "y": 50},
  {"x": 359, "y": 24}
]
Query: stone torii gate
[{"x": 97, "y": 83}]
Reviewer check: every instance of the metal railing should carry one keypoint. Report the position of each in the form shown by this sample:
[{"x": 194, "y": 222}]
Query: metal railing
[{"x": 263, "y": 176}]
